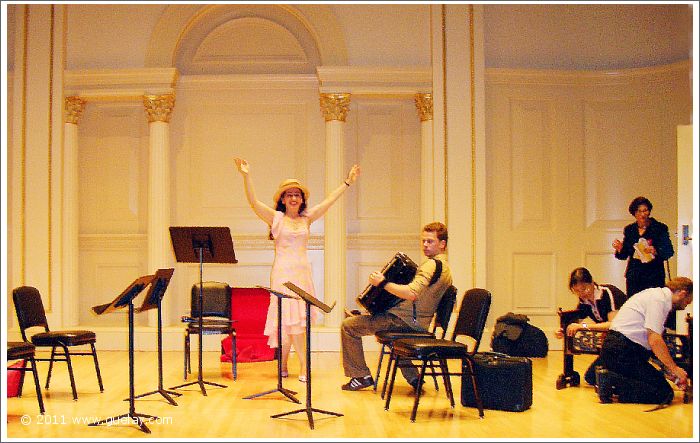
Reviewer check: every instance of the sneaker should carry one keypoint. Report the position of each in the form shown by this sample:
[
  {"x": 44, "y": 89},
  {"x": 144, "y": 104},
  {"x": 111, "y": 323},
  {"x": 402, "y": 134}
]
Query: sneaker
[
  {"x": 414, "y": 383},
  {"x": 357, "y": 383},
  {"x": 604, "y": 385}
]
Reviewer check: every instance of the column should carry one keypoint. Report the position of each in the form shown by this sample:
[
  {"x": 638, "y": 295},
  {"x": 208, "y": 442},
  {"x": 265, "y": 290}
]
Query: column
[
  {"x": 158, "y": 109},
  {"x": 458, "y": 73},
  {"x": 74, "y": 107},
  {"x": 424, "y": 105},
  {"x": 334, "y": 108}
]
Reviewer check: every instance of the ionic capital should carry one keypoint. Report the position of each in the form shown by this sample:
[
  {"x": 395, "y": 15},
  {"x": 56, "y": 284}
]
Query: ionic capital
[
  {"x": 335, "y": 106},
  {"x": 74, "y": 107},
  {"x": 424, "y": 104},
  {"x": 159, "y": 107}
]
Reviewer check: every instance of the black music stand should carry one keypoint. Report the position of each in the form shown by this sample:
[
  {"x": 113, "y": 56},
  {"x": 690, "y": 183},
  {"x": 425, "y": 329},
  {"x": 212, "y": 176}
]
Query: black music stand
[
  {"x": 124, "y": 299},
  {"x": 288, "y": 393},
  {"x": 202, "y": 245},
  {"x": 310, "y": 300},
  {"x": 153, "y": 299}
]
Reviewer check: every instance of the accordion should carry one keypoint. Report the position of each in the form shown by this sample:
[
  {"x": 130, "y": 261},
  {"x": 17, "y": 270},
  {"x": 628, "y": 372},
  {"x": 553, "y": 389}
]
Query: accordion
[{"x": 400, "y": 270}]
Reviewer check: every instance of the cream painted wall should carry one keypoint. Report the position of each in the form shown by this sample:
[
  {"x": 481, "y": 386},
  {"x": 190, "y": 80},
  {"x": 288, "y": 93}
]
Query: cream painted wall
[
  {"x": 397, "y": 34},
  {"x": 382, "y": 133},
  {"x": 215, "y": 120},
  {"x": 566, "y": 153}
]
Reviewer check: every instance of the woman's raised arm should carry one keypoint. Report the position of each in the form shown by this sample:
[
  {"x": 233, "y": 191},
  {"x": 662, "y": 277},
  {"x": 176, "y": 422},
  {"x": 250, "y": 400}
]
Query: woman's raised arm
[
  {"x": 263, "y": 211},
  {"x": 317, "y": 211}
]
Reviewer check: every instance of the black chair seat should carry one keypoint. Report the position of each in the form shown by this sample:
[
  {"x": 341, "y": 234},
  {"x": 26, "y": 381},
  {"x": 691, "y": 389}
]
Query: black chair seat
[
  {"x": 66, "y": 338},
  {"x": 389, "y": 336},
  {"x": 211, "y": 328},
  {"x": 19, "y": 350},
  {"x": 421, "y": 348}
]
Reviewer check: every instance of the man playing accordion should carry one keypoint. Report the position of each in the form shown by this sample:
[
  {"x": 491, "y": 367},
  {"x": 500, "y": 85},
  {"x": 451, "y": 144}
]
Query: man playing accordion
[{"x": 419, "y": 300}]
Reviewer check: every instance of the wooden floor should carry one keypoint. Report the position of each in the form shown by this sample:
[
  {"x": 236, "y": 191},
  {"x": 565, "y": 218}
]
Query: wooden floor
[{"x": 224, "y": 413}]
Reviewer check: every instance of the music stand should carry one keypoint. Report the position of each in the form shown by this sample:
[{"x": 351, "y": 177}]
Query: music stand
[
  {"x": 202, "y": 245},
  {"x": 123, "y": 299},
  {"x": 153, "y": 299},
  {"x": 310, "y": 300},
  {"x": 288, "y": 393}
]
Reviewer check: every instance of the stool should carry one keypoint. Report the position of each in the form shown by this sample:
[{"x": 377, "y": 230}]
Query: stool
[{"x": 20, "y": 350}]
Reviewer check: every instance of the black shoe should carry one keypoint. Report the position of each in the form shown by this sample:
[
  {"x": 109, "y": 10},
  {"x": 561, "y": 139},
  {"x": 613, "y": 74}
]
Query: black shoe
[
  {"x": 604, "y": 385},
  {"x": 414, "y": 383},
  {"x": 668, "y": 399},
  {"x": 357, "y": 383}
]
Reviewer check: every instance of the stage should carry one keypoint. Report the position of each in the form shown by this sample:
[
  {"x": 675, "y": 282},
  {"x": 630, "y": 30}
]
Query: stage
[{"x": 224, "y": 413}]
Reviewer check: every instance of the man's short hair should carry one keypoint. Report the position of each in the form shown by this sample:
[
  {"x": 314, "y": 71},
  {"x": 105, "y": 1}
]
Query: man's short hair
[
  {"x": 680, "y": 284},
  {"x": 438, "y": 228}
]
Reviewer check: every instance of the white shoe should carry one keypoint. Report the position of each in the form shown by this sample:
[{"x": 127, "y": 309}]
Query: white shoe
[{"x": 302, "y": 378}]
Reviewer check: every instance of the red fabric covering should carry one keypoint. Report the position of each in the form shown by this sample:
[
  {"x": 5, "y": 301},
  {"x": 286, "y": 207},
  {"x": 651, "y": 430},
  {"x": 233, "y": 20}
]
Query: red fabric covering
[
  {"x": 13, "y": 379},
  {"x": 249, "y": 309}
]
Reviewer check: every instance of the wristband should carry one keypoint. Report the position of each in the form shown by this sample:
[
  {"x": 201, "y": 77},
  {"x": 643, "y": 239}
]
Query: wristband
[{"x": 346, "y": 183}]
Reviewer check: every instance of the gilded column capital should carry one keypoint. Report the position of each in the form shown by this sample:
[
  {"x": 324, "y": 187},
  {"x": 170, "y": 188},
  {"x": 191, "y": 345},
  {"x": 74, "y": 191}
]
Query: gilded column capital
[
  {"x": 159, "y": 107},
  {"x": 424, "y": 104},
  {"x": 335, "y": 106},
  {"x": 74, "y": 107}
]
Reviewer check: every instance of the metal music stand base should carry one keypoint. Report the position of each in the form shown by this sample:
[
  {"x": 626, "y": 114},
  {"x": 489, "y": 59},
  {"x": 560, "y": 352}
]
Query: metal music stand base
[
  {"x": 134, "y": 417},
  {"x": 200, "y": 301},
  {"x": 163, "y": 392},
  {"x": 286, "y": 392},
  {"x": 308, "y": 409}
]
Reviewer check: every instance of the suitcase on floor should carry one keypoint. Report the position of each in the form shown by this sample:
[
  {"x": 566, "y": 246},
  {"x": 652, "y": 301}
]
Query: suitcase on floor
[{"x": 505, "y": 382}]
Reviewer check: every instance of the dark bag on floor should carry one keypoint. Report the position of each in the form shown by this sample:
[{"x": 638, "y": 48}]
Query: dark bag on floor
[
  {"x": 505, "y": 382},
  {"x": 513, "y": 335}
]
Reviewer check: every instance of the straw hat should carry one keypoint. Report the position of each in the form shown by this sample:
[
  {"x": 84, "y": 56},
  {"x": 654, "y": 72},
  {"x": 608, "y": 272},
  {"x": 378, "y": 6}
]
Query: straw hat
[{"x": 289, "y": 184}]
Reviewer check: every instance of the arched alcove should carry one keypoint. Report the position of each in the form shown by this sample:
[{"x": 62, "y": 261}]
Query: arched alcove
[{"x": 246, "y": 39}]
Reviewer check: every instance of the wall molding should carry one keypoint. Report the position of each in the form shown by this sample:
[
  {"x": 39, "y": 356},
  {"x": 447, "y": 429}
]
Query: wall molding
[
  {"x": 375, "y": 80},
  {"x": 604, "y": 77},
  {"x": 119, "y": 84}
]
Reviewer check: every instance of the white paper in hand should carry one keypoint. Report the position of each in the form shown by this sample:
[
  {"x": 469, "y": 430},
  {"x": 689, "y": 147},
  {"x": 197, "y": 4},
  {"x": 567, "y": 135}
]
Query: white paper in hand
[{"x": 640, "y": 251}]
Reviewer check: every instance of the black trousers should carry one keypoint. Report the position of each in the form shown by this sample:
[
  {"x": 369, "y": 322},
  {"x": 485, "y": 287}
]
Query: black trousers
[{"x": 640, "y": 382}]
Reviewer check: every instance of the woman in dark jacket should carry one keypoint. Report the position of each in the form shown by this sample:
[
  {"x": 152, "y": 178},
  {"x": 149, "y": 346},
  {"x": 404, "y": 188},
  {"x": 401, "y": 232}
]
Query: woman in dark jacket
[{"x": 647, "y": 245}]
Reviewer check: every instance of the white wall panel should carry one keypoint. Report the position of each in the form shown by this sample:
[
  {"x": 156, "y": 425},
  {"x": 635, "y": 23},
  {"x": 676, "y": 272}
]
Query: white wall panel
[
  {"x": 531, "y": 164},
  {"x": 605, "y": 268},
  {"x": 108, "y": 265},
  {"x": 533, "y": 282},
  {"x": 113, "y": 157},
  {"x": 272, "y": 137},
  {"x": 386, "y": 137},
  {"x": 579, "y": 147},
  {"x": 615, "y": 134}
]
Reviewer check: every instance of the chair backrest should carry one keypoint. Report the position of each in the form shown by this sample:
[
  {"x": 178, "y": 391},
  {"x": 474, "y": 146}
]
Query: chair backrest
[
  {"x": 29, "y": 308},
  {"x": 216, "y": 299},
  {"x": 472, "y": 316},
  {"x": 443, "y": 313}
]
